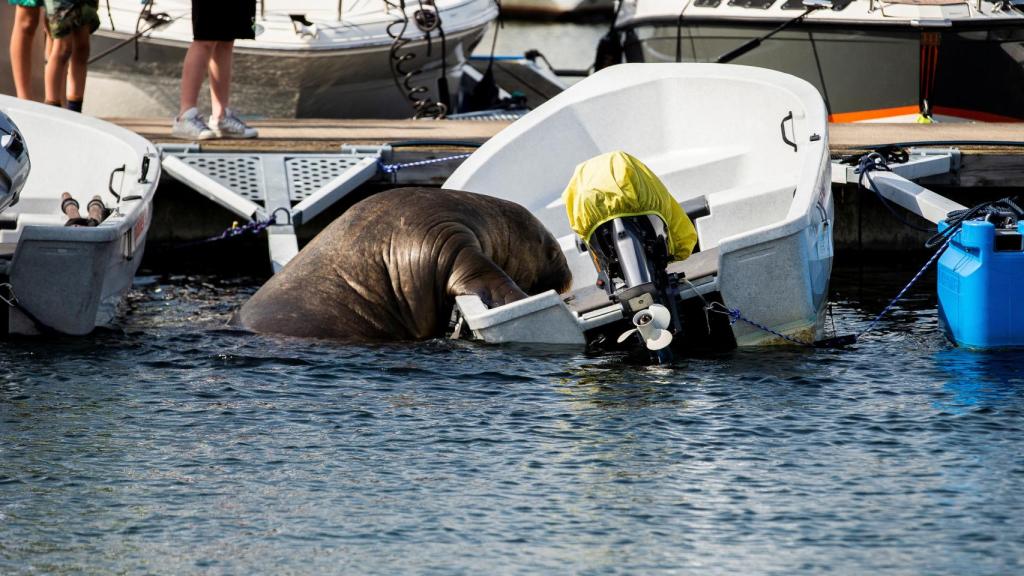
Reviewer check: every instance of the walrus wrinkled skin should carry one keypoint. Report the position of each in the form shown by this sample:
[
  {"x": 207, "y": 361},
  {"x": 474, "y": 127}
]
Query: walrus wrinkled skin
[{"x": 391, "y": 266}]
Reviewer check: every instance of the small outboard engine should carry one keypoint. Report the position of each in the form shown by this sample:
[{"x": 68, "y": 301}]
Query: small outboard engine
[
  {"x": 631, "y": 255},
  {"x": 14, "y": 162},
  {"x": 633, "y": 227}
]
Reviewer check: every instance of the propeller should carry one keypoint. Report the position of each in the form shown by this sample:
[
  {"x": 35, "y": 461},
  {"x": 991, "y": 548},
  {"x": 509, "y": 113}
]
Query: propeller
[{"x": 650, "y": 324}]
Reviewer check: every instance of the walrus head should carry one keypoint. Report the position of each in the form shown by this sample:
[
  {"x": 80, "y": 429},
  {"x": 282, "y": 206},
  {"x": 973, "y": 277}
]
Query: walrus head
[
  {"x": 532, "y": 258},
  {"x": 549, "y": 270}
]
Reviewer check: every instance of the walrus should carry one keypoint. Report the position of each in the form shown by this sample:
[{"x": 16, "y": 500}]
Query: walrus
[{"x": 390, "y": 267}]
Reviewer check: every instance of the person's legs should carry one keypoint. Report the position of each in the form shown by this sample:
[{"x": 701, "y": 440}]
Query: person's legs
[
  {"x": 214, "y": 27},
  {"x": 220, "y": 79},
  {"x": 197, "y": 61},
  {"x": 57, "y": 69},
  {"x": 190, "y": 124},
  {"x": 26, "y": 20},
  {"x": 78, "y": 67}
]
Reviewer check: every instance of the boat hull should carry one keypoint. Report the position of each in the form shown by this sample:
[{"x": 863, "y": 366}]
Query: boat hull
[
  {"x": 556, "y": 8},
  {"x": 69, "y": 280},
  {"x": 348, "y": 83},
  {"x": 863, "y": 72},
  {"x": 764, "y": 184}
]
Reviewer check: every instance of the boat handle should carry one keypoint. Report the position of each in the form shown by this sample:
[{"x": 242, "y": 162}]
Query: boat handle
[
  {"x": 782, "y": 127},
  {"x": 145, "y": 170},
  {"x": 110, "y": 184}
]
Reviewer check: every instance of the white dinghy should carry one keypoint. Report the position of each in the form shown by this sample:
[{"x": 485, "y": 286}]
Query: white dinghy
[
  {"x": 71, "y": 279},
  {"x": 744, "y": 151},
  {"x": 310, "y": 58}
]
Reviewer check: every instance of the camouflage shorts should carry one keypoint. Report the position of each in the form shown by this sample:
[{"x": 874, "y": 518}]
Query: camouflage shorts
[{"x": 66, "y": 16}]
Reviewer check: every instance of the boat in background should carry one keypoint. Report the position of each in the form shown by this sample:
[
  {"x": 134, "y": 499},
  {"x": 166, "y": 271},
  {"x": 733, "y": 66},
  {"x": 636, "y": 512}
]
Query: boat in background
[
  {"x": 872, "y": 60},
  {"x": 56, "y": 278},
  {"x": 556, "y": 9},
  {"x": 310, "y": 58},
  {"x": 756, "y": 185}
]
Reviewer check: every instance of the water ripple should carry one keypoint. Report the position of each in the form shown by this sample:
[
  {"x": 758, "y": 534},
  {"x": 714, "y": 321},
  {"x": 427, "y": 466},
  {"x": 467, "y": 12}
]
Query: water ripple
[{"x": 176, "y": 445}]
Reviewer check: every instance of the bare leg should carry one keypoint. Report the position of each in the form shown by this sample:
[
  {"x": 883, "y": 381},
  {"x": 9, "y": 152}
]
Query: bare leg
[
  {"x": 220, "y": 79},
  {"x": 79, "y": 64},
  {"x": 57, "y": 69},
  {"x": 26, "y": 20},
  {"x": 197, "y": 60}
]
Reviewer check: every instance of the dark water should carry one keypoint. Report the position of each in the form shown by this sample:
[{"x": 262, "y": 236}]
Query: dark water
[
  {"x": 178, "y": 447},
  {"x": 567, "y": 45}
]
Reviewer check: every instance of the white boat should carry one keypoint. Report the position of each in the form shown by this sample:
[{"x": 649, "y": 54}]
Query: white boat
[
  {"x": 872, "y": 60},
  {"x": 756, "y": 185},
  {"x": 310, "y": 58},
  {"x": 556, "y": 8},
  {"x": 63, "y": 279}
]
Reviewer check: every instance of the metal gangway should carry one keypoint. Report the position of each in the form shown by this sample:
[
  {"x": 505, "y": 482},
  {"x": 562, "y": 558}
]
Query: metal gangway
[{"x": 280, "y": 190}]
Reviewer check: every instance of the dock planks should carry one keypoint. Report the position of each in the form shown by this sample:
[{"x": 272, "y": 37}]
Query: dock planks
[
  {"x": 981, "y": 164},
  {"x": 858, "y": 136},
  {"x": 315, "y": 135}
]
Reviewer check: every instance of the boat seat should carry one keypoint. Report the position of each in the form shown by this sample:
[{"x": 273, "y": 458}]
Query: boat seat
[
  {"x": 33, "y": 204},
  {"x": 587, "y": 298},
  {"x": 32, "y": 219},
  {"x": 748, "y": 191},
  {"x": 743, "y": 208},
  {"x": 698, "y": 265}
]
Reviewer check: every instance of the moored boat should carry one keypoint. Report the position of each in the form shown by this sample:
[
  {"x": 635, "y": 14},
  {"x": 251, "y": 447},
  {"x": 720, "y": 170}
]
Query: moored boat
[
  {"x": 55, "y": 276},
  {"x": 881, "y": 60},
  {"x": 562, "y": 9},
  {"x": 756, "y": 185},
  {"x": 310, "y": 58}
]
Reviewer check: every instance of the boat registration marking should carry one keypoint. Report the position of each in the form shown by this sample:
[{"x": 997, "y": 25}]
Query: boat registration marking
[{"x": 139, "y": 228}]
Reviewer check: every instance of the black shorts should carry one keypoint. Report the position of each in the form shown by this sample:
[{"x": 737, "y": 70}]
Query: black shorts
[{"x": 223, "y": 19}]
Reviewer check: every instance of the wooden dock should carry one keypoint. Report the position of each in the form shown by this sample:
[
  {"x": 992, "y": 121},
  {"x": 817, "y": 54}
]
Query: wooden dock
[
  {"x": 309, "y": 135},
  {"x": 982, "y": 163},
  {"x": 988, "y": 170}
]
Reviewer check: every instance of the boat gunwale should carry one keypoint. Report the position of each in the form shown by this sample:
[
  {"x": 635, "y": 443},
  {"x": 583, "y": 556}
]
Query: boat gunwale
[
  {"x": 129, "y": 210},
  {"x": 672, "y": 20},
  {"x": 334, "y": 50},
  {"x": 336, "y": 42}
]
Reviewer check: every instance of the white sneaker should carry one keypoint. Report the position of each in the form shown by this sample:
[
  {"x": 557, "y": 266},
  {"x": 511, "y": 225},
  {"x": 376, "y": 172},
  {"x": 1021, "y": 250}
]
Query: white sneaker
[
  {"x": 231, "y": 126},
  {"x": 191, "y": 126}
]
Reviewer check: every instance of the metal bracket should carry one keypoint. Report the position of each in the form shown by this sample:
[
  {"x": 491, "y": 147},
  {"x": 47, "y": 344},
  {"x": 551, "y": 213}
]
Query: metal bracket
[
  {"x": 190, "y": 148},
  {"x": 11, "y": 299},
  {"x": 913, "y": 197},
  {"x": 896, "y": 185},
  {"x": 922, "y": 162}
]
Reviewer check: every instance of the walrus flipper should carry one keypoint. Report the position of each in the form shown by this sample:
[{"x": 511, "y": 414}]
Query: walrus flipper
[{"x": 476, "y": 274}]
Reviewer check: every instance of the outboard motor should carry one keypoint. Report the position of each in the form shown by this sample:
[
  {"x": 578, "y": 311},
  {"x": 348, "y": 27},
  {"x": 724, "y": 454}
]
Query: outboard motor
[
  {"x": 631, "y": 255},
  {"x": 14, "y": 162},
  {"x": 633, "y": 227}
]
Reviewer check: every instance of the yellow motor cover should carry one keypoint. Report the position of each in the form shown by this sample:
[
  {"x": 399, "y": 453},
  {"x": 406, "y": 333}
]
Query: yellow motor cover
[{"x": 615, "y": 185}]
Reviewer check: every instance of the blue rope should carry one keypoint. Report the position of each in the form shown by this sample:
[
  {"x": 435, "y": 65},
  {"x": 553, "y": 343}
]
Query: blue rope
[
  {"x": 734, "y": 314},
  {"x": 393, "y": 168},
  {"x": 254, "y": 227},
  {"x": 913, "y": 280}
]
